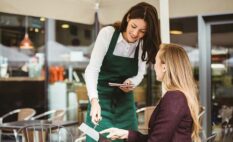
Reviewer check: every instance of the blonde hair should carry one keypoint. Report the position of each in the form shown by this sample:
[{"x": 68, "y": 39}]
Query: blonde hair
[{"x": 179, "y": 76}]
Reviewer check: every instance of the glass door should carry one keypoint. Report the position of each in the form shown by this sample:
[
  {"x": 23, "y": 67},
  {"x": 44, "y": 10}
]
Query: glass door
[
  {"x": 215, "y": 42},
  {"x": 222, "y": 81}
]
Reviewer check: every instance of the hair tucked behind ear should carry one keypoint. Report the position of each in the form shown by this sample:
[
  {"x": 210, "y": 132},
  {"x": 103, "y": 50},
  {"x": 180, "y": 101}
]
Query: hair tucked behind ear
[
  {"x": 179, "y": 76},
  {"x": 151, "y": 40}
]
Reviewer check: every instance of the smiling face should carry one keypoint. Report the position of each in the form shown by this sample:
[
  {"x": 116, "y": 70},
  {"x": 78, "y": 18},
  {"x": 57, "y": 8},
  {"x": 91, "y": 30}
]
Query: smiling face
[
  {"x": 159, "y": 67},
  {"x": 135, "y": 30}
]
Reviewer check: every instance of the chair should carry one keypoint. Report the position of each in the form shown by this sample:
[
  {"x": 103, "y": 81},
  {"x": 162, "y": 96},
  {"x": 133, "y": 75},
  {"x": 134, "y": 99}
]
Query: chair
[
  {"x": 144, "y": 115},
  {"x": 204, "y": 137},
  {"x": 227, "y": 132},
  {"x": 202, "y": 112},
  {"x": 211, "y": 138},
  {"x": 55, "y": 115},
  {"x": 82, "y": 100},
  {"x": 82, "y": 138},
  {"x": 23, "y": 114},
  {"x": 43, "y": 133}
]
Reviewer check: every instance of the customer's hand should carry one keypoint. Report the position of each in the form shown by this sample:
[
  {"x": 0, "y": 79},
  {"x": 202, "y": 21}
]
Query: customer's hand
[
  {"x": 128, "y": 86},
  {"x": 115, "y": 133},
  {"x": 95, "y": 111}
]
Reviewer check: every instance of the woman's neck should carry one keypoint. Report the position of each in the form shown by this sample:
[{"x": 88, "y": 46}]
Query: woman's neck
[{"x": 125, "y": 37}]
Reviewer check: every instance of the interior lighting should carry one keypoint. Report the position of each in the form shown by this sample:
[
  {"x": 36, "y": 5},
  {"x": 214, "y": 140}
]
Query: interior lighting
[
  {"x": 36, "y": 30},
  {"x": 176, "y": 32},
  {"x": 42, "y": 19},
  {"x": 26, "y": 43},
  {"x": 65, "y": 26}
]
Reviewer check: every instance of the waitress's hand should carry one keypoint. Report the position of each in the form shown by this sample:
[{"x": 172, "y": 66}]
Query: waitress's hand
[
  {"x": 127, "y": 87},
  {"x": 95, "y": 111},
  {"x": 115, "y": 133}
]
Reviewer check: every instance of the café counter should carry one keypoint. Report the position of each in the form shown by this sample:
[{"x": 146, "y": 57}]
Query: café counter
[{"x": 21, "y": 92}]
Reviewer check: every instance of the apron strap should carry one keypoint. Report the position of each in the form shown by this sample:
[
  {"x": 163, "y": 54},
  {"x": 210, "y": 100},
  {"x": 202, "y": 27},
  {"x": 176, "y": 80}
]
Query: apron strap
[
  {"x": 113, "y": 42},
  {"x": 137, "y": 50}
]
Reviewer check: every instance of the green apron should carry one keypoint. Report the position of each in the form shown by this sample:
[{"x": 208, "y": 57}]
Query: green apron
[{"x": 117, "y": 107}]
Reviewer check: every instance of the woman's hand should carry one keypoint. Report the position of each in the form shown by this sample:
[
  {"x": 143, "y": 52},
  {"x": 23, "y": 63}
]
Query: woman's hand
[
  {"x": 95, "y": 111},
  {"x": 127, "y": 87},
  {"x": 115, "y": 133}
]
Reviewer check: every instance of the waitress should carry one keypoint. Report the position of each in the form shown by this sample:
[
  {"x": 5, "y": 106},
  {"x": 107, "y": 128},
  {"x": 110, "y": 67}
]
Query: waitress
[{"x": 120, "y": 55}]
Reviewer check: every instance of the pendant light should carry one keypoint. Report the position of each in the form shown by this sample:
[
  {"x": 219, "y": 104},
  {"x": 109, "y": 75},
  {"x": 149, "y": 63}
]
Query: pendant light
[{"x": 26, "y": 43}]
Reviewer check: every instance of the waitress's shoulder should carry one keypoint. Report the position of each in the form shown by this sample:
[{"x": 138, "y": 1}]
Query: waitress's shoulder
[{"x": 108, "y": 30}]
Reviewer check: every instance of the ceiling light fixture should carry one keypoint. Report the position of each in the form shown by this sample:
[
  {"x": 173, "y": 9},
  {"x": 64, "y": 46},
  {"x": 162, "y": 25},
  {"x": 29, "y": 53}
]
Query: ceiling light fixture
[
  {"x": 26, "y": 43},
  {"x": 176, "y": 28},
  {"x": 65, "y": 26},
  {"x": 42, "y": 19},
  {"x": 176, "y": 32}
]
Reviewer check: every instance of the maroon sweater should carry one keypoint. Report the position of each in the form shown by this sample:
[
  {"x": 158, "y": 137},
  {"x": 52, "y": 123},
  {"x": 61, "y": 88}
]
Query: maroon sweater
[{"x": 171, "y": 121}]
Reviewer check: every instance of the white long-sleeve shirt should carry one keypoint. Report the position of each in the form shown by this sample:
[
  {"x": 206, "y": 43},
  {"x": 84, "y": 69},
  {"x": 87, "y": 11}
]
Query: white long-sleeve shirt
[{"x": 123, "y": 48}]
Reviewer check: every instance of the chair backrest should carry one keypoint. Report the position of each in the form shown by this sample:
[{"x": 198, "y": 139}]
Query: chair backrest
[
  {"x": 82, "y": 93},
  {"x": 227, "y": 133},
  {"x": 202, "y": 112},
  {"x": 55, "y": 115},
  {"x": 82, "y": 138},
  {"x": 82, "y": 101},
  {"x": 26, "y": 114},
  {"x": 23, "y": 114},
  {"x": 43, "y": 133},
  {"x": 211, "y": 138},
  {"x": 144, "y": 115}
]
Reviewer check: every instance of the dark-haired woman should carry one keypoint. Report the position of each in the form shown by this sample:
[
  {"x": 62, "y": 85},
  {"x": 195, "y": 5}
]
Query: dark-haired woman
[{"x": 120, "y": 55}]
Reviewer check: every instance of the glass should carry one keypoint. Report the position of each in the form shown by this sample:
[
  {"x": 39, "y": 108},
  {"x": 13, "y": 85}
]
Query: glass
[
  {"x": 12, "y": 32},
  {"x": 183, "y": 31},
  {"x": 74, "y": 34},
  {"x": 222, "y": 80},
  {"x": 72, "y": 48}
]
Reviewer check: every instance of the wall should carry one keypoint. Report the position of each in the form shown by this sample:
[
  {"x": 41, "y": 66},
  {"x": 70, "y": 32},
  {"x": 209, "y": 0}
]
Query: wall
[{"x": 184, "y": 8}]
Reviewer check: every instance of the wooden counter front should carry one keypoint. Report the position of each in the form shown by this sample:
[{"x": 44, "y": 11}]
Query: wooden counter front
[{"x": 21, "y": 92}]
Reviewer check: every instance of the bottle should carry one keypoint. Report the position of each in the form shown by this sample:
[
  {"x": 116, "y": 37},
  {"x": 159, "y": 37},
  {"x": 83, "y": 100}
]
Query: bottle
[
  {"x": 1, "y": 60},
  {"x": 3, "y": 67}
]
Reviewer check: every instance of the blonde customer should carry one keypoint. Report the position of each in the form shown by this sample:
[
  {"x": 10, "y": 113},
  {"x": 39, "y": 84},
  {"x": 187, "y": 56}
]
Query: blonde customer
[{"x": 175, "y": 118}]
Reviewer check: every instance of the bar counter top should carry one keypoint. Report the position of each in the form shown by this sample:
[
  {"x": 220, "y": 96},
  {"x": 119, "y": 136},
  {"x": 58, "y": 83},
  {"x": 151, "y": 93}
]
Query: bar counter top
[{"x": 22, "y": 79}]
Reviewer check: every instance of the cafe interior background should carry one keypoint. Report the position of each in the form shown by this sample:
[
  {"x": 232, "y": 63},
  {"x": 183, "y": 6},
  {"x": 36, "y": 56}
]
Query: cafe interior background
[{"x": 43, "y": 57}]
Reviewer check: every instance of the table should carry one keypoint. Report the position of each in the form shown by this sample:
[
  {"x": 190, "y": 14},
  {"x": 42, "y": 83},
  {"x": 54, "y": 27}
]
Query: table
[{"x": 18, "y": 125}]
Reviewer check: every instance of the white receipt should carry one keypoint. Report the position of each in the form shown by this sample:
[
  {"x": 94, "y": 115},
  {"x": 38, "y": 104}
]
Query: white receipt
[{"x": 89, "y": 131}]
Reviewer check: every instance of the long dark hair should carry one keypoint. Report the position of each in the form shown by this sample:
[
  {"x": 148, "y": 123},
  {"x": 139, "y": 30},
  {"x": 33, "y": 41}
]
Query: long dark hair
[{"x": 151, "y": 39}]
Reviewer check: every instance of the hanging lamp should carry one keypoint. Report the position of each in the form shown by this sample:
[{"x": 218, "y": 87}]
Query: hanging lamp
[{"x": 26, "y": 43}]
